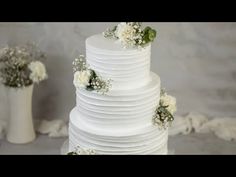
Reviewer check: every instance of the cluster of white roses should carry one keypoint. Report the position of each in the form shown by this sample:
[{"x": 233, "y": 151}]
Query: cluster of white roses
[
  {"x": 131, "y": 34},
  {"x": 127, "y": 34},
  {"x": 38, "y": 71}
]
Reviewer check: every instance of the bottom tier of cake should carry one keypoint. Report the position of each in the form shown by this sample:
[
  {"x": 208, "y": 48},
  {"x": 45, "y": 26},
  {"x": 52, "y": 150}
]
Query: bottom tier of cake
[{"x": 137, "y": 140}]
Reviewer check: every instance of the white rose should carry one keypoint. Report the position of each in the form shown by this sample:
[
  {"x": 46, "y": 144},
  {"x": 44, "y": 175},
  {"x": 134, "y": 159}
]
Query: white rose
[
  {"x": 38, "y": 71},
  {"x": 169, "y": 101},
  {"x": 81, "y": 78},
  {"x": 126, "y": 33}
]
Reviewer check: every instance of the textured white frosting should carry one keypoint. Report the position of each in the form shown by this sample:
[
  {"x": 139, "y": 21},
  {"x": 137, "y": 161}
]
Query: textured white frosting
[
  {"x": 119, "y": 109},
  {"x": 119, "y": 122},
  {"x": 127, "y": 68},
  {"x": 147, "y": 140}
]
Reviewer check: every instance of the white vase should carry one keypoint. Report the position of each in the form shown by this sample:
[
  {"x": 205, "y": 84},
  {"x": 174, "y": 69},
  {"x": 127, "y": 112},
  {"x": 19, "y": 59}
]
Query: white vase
[{"x": 20, "y": 126}]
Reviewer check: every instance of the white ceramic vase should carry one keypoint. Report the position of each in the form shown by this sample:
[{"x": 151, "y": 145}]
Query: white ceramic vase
[{"x": 20, "y": 126}]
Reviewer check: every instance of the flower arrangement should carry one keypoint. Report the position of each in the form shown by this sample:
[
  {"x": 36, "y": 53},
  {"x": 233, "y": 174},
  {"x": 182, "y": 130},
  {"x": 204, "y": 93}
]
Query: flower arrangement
[
  {"x": 82, "y": 151},
  {"x": 131, "y": 34},
  {"x": 87, "y": 78},
  {"x": 164, "y": 113},
  {"x": 20, "y": 66}
]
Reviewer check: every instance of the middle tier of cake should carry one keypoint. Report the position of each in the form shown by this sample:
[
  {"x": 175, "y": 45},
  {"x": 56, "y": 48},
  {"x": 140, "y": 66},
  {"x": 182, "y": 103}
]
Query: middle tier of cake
[{"x": 119, "y": 110}]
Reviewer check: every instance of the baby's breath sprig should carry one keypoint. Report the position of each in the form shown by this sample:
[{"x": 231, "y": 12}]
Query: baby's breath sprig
[
  {"x": 79, "y": 64},
  {"x": 163, "y": 116},
  {"x": 20, "y": 66},
  {"x": 110, "y": 33},
  {"x": 85, "y": 77},
  {"x": 100, "y": 85}
]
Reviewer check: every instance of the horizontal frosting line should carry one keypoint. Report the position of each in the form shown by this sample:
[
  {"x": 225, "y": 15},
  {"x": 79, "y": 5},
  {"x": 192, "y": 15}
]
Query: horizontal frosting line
[
  {"x": 121, "y": 72},
  {"x": 126, "y": 140},
  {"x": 124, "y": 78},
  {"x": 145, "y": 77},
  {"x": 123, "y": 51},
  {"x": 117, "y": 123},
  {"x": 124, "y": 147},
  {"x": 121, "y": 104},
  {"x": 117, "y": 109},
  {"x": 126, "y": 104},
  {"x": 151, "y": 151},
  {"x": 119, "y": 62},
  {"x": 118, "y": 66},
  {"x": 118, "y": 112},
  {"x": 154, "y": 150},
  {"x": 132, "y": 73},
  {"x": 115, "y": 145},
  {"x": 134, "y": 62},
  {"x": 161, "y": 149},
  {"x": 141, "y": 148},
  {"x": 104, "y": 152},
  {"x": 107, "y": 132},
  {"x": 106, "y": 56},
  {"x": 120, "y": 98},
  {"x": 110, "y": 101},
  {"x": 108, "y": 116},
  {"x": 122, "y": 58},
  {"x": 135, "y": 138}
]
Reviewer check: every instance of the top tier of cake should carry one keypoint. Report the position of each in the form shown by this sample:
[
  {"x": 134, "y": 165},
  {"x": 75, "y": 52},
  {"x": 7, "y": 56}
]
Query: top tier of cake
[{"x": 127, "y": 68}]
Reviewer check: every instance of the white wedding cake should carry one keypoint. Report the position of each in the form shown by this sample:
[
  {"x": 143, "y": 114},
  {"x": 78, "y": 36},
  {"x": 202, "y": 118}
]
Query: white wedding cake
[{"x": 117, "y": 97}]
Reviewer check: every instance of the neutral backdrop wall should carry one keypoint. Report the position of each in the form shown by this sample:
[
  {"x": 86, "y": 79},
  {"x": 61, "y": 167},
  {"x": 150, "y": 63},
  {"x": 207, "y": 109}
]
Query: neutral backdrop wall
[{"x": 196, "y": 63}]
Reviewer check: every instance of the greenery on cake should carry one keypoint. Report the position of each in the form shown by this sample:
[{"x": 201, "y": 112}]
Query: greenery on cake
[
  {"x": 20, "y": 66},
  {"x": 164, "y": 112},
  {"x": 87, "y": 78},
  {"x": 131, "y": 34},
  {"x": 82, "y": 151}
]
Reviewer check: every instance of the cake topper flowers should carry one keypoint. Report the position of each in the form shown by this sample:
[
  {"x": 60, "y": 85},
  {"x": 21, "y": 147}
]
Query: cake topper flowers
[
  {"x": 20, "y": 66},
  {"x": 87, "y": 78},
  {"x": 164, "y": 113},
  {"x": 131, "y": 34}
]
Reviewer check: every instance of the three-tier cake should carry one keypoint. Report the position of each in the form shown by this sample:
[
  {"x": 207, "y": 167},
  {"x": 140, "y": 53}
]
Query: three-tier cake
[{"x": 117, "y": 96}]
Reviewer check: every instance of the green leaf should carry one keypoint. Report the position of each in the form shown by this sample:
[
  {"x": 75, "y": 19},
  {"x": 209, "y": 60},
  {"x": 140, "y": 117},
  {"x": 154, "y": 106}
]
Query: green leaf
[
  {"x": 151, "y": 34},
  {"x": 147, "y": 29},
  {"x": 93, "y": 74},
  {"x": 114, "y": 29}
]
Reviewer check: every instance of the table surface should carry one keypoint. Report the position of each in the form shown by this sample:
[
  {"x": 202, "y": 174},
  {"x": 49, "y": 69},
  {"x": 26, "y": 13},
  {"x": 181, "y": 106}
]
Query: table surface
[{"x": 179, "y": 144}]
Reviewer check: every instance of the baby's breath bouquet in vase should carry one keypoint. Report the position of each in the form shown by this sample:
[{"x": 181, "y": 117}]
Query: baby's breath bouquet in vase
[{"x": 20, "y": 69}]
